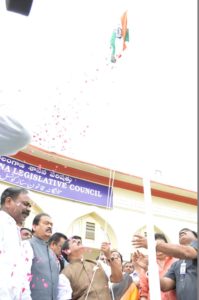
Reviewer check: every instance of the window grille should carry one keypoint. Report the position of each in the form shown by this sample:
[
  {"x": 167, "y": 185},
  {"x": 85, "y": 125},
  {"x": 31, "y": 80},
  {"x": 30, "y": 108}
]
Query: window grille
[{"x": 90, "y": 230}]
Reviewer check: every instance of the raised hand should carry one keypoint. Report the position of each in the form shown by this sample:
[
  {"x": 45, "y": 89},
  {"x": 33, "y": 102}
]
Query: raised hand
[{"x": 139, "y": 241}]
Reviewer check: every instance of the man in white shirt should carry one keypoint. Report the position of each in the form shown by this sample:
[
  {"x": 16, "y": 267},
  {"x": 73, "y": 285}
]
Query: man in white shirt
[{"x": 15, "y": 208}]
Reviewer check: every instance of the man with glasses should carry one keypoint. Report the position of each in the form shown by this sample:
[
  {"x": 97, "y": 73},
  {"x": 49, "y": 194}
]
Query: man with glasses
[
  {"x": 182, "y": 274},
  {"x": 15, "y": 208}
]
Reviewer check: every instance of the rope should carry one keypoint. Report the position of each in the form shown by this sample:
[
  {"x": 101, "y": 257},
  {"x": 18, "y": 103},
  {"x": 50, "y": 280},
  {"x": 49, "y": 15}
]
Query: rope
[
  {"x": 89, "y": 288},
  {"x": 109, "y": 197}
]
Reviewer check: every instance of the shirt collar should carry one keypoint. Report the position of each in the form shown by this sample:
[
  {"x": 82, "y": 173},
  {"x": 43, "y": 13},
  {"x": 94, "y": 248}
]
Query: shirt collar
[
  {"x": 40, "y": 241},
  {"x": 8, "y": 217}
]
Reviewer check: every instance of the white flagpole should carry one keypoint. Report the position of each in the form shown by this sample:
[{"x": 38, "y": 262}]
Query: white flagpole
[{"x": 153, "y": 273}]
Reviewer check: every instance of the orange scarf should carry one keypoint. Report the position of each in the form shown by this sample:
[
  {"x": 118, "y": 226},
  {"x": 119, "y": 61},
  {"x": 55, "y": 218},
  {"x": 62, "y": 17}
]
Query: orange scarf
[{"x": 132, "y": 293}]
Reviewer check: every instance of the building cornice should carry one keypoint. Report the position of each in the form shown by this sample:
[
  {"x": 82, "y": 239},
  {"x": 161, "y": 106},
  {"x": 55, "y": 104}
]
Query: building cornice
[{"x": 82, "y": 170}]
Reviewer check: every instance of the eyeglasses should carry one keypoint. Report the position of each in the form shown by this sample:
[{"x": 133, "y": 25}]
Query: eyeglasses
[{"x": 103, "y": 259}]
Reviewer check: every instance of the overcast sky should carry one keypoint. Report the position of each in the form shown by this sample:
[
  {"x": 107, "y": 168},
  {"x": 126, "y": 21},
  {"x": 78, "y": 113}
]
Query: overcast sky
[{"x": 137, "y": 115}]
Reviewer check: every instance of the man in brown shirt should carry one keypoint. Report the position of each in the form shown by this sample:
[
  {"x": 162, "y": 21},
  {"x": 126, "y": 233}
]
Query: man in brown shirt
[{"x": 88, "y": 279}]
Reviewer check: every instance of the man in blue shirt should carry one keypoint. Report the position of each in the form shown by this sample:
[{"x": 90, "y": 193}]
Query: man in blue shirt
[{"x": 182, "y": 274}]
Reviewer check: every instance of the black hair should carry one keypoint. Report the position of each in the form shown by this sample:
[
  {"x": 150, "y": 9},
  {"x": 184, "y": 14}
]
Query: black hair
[
  {"x": 64, "y": 249},
  {"x": 12, "y": 192},
  {"x": 128, "y": 262},
  {"x": 187, "y": 229},
  {"x": 76, "y": 237},
  {"x": 115, "y": 250},
  {"x": 56, "y": 237},
  {"x": 65, "y": 245},
  {"x": 25, "y": 228},
  {"x": 38, "y": 217},
  {"x": 160, "y": 236}
]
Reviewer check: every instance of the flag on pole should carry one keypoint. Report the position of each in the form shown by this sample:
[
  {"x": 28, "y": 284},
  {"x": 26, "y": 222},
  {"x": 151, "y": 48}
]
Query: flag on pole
[
  {"x": 125, "y": 31},
  {"x": 119, "y": 37}
]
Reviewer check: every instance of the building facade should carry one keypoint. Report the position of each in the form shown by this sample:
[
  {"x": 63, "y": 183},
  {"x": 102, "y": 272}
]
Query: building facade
[{"x": 94, "y": 202}]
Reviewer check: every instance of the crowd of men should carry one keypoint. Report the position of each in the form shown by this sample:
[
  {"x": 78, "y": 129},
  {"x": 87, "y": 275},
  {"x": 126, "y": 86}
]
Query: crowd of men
[{"x": 37, "y": 264}]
